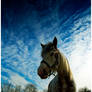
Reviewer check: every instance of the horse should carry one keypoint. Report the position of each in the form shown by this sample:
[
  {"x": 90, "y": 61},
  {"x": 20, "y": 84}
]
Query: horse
[{"x": 54, "y": 62}]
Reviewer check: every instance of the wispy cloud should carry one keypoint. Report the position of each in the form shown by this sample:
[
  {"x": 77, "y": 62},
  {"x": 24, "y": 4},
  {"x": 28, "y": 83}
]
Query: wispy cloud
[
  {"x": 21, "y": 55},
  {"x": 18, "y": 80}
]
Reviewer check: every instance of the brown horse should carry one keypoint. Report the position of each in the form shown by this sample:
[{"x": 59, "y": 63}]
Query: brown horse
[{"x": 55, "y": 62}]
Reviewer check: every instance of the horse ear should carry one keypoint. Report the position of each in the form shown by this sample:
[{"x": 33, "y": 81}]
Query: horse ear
[
  {"x": 55, "y": 42},
  {"x": 42, "y": 45}
]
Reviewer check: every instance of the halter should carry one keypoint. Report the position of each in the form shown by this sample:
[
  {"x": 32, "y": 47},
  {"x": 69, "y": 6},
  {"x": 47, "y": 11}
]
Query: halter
[{"x": 50, "y": 67}]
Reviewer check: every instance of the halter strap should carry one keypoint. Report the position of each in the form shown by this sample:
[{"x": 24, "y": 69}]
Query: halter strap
[
  {"x": 46, "y": 63},
  {"x": 56, "y": 62}
]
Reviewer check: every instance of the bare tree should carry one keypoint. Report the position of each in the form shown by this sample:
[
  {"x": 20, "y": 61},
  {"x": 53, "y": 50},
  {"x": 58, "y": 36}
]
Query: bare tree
[
  {"x": 2, "y": 90},
  {"x": 6, "y": 88},
  {"x": 45, "y": 90},
  {"x": 30, "y": 88},
  {"x": 12, "y": 90},
  {"x": 85, "y": 89},
  {"x": 18, "y": 88}
]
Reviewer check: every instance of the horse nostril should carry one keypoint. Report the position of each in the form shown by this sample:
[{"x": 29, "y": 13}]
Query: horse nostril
[
  {"x": 39, "y": 72},
  {"x": 44, "y": 71}
]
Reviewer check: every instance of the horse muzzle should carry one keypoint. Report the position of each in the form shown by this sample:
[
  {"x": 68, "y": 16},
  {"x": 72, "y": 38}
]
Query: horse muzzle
[{"x": 42, "y": 74}]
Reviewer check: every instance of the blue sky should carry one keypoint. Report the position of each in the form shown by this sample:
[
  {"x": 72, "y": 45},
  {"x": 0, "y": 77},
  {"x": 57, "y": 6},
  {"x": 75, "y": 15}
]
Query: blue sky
[{"x": 25, "y": 24}]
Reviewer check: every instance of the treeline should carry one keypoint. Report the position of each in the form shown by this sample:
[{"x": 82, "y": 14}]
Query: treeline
[
  {"x": 85, "y": 89},
  {"x": 17, "y": 88},
  {"x": 30, "y": 88}
]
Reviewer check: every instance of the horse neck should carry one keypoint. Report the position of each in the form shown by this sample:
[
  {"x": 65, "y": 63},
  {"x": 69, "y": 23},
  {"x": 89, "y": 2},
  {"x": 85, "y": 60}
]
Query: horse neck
[
  {"x": 64, "y": 68},
  {"x": 60, "y": 66}
]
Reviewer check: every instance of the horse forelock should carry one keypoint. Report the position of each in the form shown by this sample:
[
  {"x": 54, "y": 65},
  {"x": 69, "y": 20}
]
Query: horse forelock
[{"x": 47, "y": 48}]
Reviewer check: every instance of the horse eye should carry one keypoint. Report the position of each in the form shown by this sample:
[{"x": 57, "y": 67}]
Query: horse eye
[
  {"x": 51, "y": 54},
  {"x": 48, "y": 48}
]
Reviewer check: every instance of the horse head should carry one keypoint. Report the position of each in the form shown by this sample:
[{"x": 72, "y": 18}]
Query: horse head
[{"x": 49, "y": 59}]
